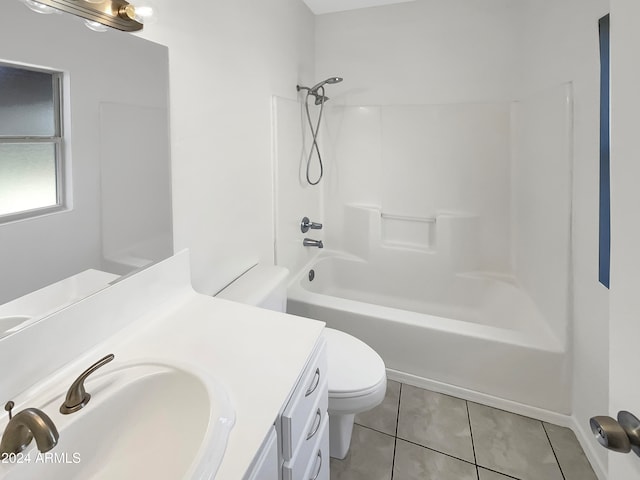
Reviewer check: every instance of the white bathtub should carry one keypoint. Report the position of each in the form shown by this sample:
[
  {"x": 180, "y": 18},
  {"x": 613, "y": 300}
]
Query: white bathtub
[{"x": 477, "y": 333}]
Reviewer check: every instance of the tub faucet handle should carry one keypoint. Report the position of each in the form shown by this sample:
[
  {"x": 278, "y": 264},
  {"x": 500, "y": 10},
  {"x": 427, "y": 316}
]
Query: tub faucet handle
[{"x": 307, "y": 224}]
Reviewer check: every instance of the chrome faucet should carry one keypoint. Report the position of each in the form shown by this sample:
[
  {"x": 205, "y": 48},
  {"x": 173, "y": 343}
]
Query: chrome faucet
[
  {"x": 307, "y": 224},
  {"x": 307, "y": 242},
  {"x": 27, "y": 425}
]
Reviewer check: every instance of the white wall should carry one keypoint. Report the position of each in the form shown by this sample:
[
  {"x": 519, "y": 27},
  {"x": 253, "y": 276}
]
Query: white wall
[
  {"x": 227, "y": 59},
  {"x": 568, "y": 51},
  {"x": 422, "y": 52},
  {"x": 624, "y": 327},
  {"x": 39, "y": 251}
]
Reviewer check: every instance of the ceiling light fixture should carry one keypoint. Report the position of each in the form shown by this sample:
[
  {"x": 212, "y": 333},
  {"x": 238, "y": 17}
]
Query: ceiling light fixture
[{"x": 118, "y": 14}]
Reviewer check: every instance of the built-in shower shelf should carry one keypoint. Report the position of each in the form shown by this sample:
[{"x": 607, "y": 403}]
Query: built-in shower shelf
[
  {"x": 408, "y": 246},
  {"x": 407, "y": 218},
  {"x": 407, "y": 231}
]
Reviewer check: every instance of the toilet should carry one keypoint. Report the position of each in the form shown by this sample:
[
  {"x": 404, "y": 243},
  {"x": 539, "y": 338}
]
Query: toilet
[{"x": 357, "y": 376}]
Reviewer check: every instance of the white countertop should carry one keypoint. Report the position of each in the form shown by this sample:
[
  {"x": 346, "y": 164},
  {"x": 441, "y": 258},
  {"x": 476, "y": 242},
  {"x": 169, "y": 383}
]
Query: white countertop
[{"x": 256, "y": 354}]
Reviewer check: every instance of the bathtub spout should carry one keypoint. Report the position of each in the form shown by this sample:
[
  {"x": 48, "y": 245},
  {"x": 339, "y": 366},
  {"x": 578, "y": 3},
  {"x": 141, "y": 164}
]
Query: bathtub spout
[{"x": 307, "y": 242}]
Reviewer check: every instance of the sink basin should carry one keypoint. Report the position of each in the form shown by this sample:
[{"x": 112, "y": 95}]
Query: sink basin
[{"x": 143, "y": 421}]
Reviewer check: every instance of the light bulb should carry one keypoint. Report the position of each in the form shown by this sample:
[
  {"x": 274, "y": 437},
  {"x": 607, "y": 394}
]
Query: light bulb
[
  {"x": 39, "y": 7},
  {"x": 146, "y": 11},
  {"x": 95, "y": 26}
]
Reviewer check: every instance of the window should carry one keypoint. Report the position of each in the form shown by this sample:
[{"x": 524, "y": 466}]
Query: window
[
  {"x": 30, "y": 142},
  {"x": 605, "y": 210}
]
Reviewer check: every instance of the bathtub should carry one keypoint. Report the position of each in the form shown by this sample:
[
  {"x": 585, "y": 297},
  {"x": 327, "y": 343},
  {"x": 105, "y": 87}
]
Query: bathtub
[{"x": 477, "y": 335}]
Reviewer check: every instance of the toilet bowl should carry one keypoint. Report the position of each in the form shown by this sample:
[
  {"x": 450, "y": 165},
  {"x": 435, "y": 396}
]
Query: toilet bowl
[
  {"x": 357, "y": 376},
  {"x": 357, "y": 383}
]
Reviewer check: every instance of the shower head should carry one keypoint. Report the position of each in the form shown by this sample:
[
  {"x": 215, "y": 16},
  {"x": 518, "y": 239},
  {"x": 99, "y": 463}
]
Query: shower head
[
  {"x": 320, "y": 98},
  {"x": 329, "y": 80},
  {"x": 318, "y": 92}
]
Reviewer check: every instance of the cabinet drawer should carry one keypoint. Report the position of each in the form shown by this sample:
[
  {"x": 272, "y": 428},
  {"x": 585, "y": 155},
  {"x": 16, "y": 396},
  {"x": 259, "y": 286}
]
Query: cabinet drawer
[
  {"x": 311, "y": 460},
  {"x": 300, "y": 411},
  {"x": 303, "y": 449},
  {"x": 319, "y": 468}
]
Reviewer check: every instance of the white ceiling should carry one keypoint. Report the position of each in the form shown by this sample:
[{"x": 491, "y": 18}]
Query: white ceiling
[{"x": 327, "y": 6}]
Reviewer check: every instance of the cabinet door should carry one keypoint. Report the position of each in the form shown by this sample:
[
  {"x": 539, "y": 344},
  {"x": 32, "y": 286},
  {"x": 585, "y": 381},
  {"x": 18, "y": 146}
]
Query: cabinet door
[
  {"x": 312, "y": 461},
  {"x": 301, "y": 409},
  {"x": 266, "y": 467},
  {"x": 318, "y": 468}
]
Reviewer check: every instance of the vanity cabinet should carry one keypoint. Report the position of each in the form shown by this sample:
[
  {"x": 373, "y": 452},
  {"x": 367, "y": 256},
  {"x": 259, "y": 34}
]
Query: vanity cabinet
[
  {"x": 266, "y": 466},
  {"x": 304, "y": 423},
  {"x": 302, "y": 428}
]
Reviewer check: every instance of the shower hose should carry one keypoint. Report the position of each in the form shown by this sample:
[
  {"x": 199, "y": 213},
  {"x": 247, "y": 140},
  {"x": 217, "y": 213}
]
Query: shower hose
[{"x": 314, "y": 134}]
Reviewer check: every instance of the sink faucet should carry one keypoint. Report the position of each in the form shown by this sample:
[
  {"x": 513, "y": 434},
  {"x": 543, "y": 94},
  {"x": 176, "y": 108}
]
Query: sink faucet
[
  {"x": 27, "y": 425},
  {"x": 307, "y": 242},
  {"x": 77, "y": 397}
]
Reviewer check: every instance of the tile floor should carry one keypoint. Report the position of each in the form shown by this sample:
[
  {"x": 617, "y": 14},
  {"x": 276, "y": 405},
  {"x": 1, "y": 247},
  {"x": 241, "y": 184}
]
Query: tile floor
[{"x": 416, "y": 434}]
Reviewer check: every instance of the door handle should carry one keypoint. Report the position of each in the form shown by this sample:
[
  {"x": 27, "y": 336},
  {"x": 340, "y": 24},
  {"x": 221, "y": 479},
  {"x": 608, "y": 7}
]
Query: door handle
[{"x": 621, "y": 436}]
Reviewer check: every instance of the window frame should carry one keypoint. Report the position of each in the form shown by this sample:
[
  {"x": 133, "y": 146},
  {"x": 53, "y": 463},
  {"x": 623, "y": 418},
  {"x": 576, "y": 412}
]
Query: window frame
[
  {"x": 604, "y": 247},
  {"x": 57, "y": 140}
]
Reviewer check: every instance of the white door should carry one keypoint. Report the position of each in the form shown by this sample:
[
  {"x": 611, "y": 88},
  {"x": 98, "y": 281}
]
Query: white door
[{"x": 624, "y": 329}]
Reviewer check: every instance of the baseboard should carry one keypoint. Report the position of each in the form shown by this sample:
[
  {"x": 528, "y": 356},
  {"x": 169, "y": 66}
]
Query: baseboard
[
  {"x": 584, "y": 438},
  {"x": 590, "y": 447}
]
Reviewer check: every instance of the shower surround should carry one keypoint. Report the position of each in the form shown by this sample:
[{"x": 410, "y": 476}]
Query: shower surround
[{"x": 430, "y": 226}]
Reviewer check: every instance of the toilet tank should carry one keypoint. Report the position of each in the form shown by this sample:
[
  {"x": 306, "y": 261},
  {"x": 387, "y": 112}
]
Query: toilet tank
[{"x": 262, "y": 286}]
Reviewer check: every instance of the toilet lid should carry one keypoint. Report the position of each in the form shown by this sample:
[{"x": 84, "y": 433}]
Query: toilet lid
[{"x": 354, "y": 367}]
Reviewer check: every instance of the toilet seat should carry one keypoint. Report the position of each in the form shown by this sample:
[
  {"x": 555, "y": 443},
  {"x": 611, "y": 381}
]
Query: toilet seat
[{"x": 357, "y": 374}]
